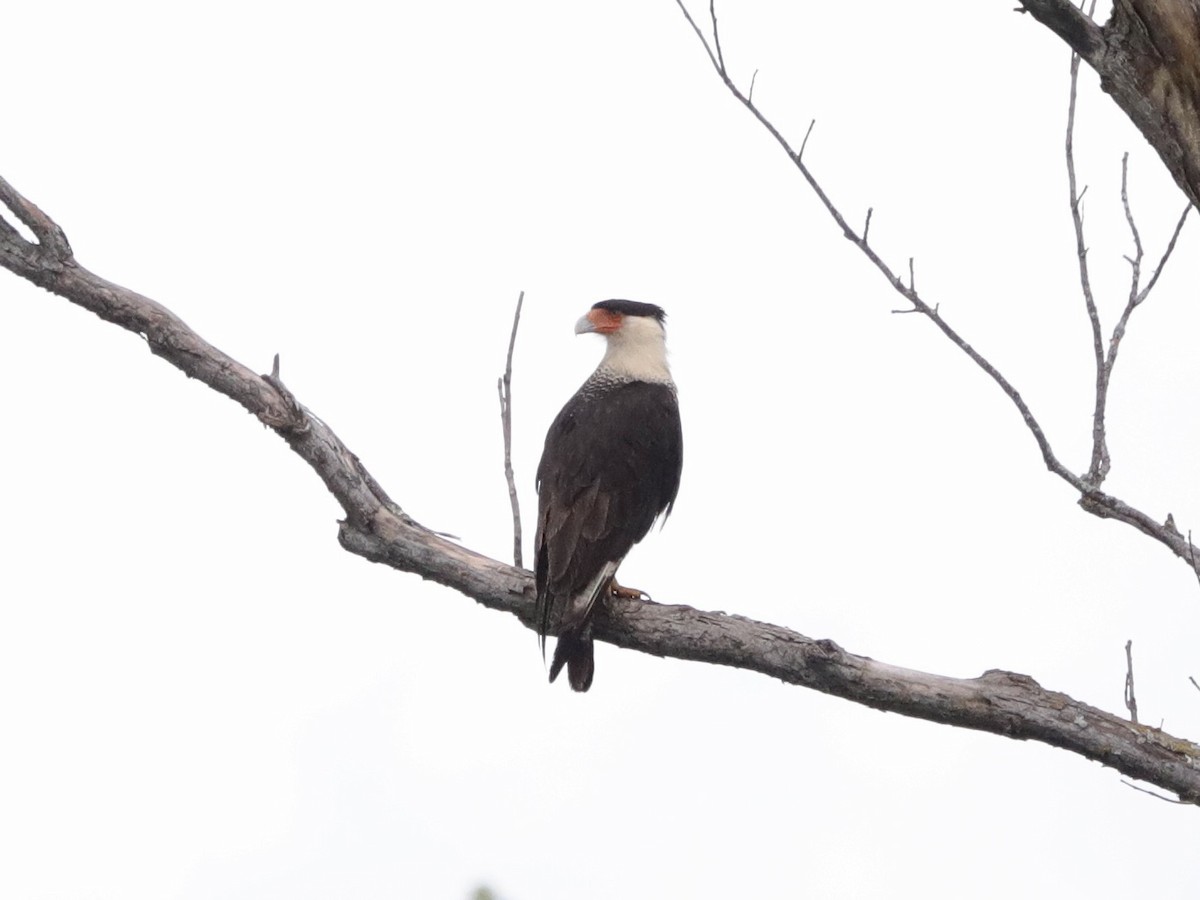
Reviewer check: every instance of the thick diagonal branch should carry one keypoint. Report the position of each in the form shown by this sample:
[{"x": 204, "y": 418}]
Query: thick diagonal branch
[
  {"x": 377, "y": 529},
  {"x": 1148, "y": 58}
]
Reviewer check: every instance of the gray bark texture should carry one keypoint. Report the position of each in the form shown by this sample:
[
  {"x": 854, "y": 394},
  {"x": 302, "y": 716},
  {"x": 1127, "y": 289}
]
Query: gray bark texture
[
  {"x": 1148, "y": 58},
  {"x": 376, "y": 528}
]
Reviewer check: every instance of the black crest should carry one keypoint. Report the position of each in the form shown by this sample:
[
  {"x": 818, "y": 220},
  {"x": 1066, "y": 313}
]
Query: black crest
[{"x": 633, "y": 308}]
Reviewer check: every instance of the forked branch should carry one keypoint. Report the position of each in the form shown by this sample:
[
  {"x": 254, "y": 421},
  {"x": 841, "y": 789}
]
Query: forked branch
[
  {"x": 1092, "y": 499},
  {"x": 907, "y": 291},
  {"x": 377, "y": 529},
  {"x": 1104, "y": 362}
]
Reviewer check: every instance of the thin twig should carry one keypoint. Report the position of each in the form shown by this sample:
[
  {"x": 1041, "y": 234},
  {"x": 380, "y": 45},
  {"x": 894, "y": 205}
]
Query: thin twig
[
  {"x": 1052, "y": 462},
  {"x": 1166, "y": 254},
  {"x": 712, "y": 13},
  {"x": 1130, "y": 696},
  {"x": 504, "y": 388},
  {"x": 1136, "y": 262},
  {"x": 1099, "y": 466},
  {"x": 1137, "y": 296},
  {"x": 1152, "y": 793},
  {"x": 867, "y": 224},
  {"x": 1194, "y": 684},
  {"x": 1091, "y": 499},
  {"x": 803, "y": 143}
]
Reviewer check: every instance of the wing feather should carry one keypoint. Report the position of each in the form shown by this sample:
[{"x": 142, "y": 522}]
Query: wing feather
[{"x": 610, "y": 467}]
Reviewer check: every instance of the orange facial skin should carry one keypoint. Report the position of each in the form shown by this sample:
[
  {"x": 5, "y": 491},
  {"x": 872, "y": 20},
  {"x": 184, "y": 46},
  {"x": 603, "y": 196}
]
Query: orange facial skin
[{"x": 604, "y": 322}]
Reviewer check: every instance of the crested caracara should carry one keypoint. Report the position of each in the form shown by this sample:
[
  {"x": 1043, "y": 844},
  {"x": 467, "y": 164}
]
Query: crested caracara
[{"x": 610, "y": 467}]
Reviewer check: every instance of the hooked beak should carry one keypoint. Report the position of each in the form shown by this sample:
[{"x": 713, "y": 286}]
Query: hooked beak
[{"x": 599, "y": 321}]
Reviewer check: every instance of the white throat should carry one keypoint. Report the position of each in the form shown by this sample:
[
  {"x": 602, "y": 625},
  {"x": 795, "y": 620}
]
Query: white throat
[{"x": 637, "y": 352}]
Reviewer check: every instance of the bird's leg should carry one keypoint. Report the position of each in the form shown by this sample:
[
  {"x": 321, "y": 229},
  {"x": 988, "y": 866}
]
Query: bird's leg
[{"x": 624, "y": 593}]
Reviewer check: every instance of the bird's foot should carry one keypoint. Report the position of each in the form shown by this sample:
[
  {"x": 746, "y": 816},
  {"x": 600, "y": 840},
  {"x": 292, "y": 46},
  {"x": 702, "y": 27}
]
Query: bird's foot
[{"x": 624, "y": 593}]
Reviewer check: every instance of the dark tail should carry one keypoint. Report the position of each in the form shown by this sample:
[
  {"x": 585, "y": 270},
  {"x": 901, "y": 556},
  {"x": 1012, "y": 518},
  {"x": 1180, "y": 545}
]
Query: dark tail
[{"x": 575, "y": 651}]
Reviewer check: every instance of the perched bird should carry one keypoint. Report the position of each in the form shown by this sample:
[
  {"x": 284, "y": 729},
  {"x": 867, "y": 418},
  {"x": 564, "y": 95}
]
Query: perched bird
[{"x": 610, "y": 467}]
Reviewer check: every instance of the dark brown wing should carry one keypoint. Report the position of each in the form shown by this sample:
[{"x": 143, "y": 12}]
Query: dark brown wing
[{"x": 611, "y": 465}]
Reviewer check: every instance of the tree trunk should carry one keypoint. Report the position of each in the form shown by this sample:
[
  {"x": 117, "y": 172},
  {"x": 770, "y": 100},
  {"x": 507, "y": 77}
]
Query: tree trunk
[{"x": 1148, "y": 59}]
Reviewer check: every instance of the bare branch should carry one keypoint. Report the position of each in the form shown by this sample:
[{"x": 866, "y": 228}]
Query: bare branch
[
  {"x": 803, "y": 143},
  {"x": 1155, "y": 794},
  {"x": 1106, "y": 506},
  {"x": 1079, "y": 31},
  {"x": 1166, "y": 254},
  {"x": 50, "y": 237},
  {"x": 909, "y": 294},
  {"x": 712, "y": 14},
  {"x": 1091, "y": 498},
  {"x": 1130, "y": 696},
  {"x": 1100, "y": 460},
  {"x": 999, "y": 702},
  {"x": 1145, "y": 57},
  {"x": 719, "y": 66},
  {"x": 376, "y": 528},
  {"x": 1136, "y": 262},
  {"x": 504, "y": 387},
  {"x": 1136, "y": 297}
]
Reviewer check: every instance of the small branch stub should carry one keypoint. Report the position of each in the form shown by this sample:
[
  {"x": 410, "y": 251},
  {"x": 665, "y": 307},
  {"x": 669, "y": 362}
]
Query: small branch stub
[{"x": 1130, "y": 696}]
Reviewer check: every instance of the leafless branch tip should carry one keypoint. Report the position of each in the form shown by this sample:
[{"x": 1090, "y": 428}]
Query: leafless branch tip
[
  {"x": 1130, "y": 696},
  {"x": 504, "y": 388},
  {"x": 1153, "y": 793},
  {"x": 804, "y": 143},
  {"x": 712, "y": 14}
]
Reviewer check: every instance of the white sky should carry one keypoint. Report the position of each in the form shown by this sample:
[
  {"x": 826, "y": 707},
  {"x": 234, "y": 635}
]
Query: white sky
[{"x": 204, "y": 696}]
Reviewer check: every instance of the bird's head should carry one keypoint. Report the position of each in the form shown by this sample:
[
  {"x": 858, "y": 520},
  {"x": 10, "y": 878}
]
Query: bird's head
[{"x": 637, "y": 348}]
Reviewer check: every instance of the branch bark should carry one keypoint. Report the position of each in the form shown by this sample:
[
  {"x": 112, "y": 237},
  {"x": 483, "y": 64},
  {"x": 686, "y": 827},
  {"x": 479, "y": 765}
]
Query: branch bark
[
  {"x": 1148, "y": 58},
  {"x": 377, "y": 529}
]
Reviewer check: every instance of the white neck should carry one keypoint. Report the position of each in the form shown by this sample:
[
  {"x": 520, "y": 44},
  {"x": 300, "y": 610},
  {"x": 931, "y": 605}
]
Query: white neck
[{"x": 637, "y": 351}]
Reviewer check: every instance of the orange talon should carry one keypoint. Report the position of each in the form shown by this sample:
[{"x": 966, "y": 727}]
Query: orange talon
[{"x": 624, "y": 593}]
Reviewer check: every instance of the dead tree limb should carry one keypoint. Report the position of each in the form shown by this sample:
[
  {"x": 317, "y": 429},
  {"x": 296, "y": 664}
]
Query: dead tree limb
[
  {"x": 1148, "y": 58},
  {"x": 1091, "y": 499},
  {"x": 377, "y": 529}
]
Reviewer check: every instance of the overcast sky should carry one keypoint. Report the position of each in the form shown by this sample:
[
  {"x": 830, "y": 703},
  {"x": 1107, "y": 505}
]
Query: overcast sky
[{"x": 204, "y": 696}]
